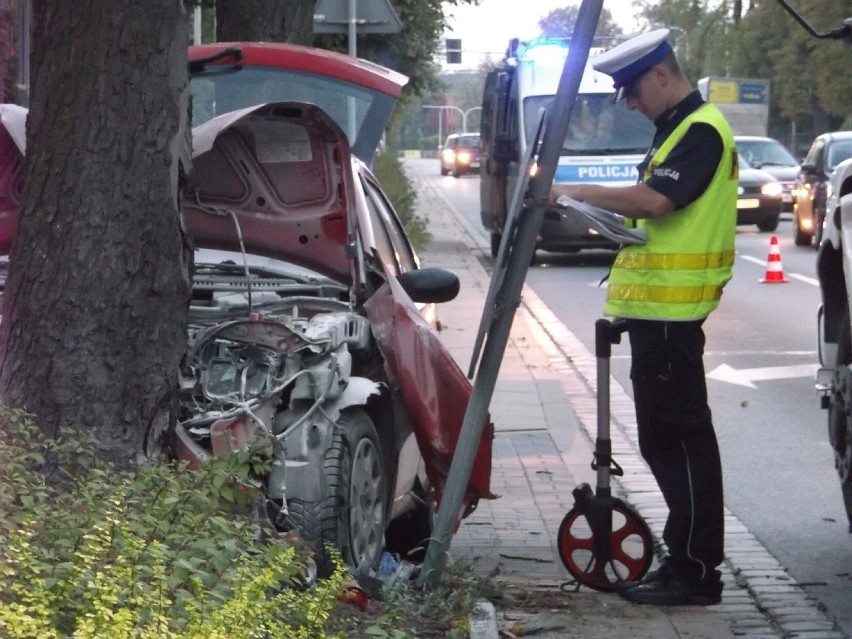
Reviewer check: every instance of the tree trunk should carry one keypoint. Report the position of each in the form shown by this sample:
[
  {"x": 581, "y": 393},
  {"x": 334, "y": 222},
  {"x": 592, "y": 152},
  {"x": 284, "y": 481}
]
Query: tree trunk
[
  {"x": 96, "y": 303},
  {"x": 288, "y": 21}
]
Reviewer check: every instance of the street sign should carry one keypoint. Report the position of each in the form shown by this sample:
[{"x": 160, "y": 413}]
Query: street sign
[{"x": 371, "y": 16}]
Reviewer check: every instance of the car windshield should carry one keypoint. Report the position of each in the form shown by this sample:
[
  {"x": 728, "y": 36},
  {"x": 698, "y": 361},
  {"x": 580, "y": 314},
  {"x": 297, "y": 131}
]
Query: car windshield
[
  {"x": 360, "y": 112},
  {"x": 469, "y": 142},
  {"x": 597, "y": 125},
  {"x": 765, "y": 153},
  {"x": 837, "y": 152}
]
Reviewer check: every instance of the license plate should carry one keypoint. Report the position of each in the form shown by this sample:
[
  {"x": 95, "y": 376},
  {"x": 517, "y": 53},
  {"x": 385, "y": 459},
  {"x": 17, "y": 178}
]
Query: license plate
[{"x": 748, "y": 203}]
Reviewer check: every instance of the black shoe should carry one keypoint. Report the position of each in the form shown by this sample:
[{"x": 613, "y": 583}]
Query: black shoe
[
  {"x": 672, "y": 592},
  {"x": 659, "y": 574}
]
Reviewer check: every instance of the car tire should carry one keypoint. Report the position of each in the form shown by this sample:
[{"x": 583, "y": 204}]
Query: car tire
[
  {"x": 800, "y": 237},
  {"x": 353, "y": 513},
  {"x": 769, "y": 224},
  {"x": 456, "y": 173},
  {"x": 444, "y": 171}
]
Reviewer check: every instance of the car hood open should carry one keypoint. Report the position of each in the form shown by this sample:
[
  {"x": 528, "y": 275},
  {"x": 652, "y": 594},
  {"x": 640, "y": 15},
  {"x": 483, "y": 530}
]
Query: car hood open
[
  {"x": 272, "y": 179},
  {"x": 278, "y": 179}
]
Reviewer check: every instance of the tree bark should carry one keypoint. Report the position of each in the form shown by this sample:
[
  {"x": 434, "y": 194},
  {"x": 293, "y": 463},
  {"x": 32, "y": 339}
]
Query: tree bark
[
  {"x": 289, "y": 21},
  {"x": 96, "y": 303}
]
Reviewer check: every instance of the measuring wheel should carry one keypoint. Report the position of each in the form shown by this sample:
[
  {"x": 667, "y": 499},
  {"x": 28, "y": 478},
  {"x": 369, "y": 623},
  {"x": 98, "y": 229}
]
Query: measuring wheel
[{"x": 603, "y": 542}]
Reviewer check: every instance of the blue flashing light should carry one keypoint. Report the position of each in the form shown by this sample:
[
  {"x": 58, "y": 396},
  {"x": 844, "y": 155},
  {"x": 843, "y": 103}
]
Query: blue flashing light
[{"x": 543, "y": 49}]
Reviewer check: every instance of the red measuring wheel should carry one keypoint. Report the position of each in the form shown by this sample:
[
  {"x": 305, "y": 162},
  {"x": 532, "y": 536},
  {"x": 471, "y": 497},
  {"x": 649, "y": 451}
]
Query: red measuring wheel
[{"x": 603, "y": 543}]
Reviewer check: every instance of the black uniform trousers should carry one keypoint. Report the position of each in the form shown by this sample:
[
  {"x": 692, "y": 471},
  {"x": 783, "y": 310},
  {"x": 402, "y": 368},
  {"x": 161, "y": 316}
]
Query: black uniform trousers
[{"x": 677, "y": 439}]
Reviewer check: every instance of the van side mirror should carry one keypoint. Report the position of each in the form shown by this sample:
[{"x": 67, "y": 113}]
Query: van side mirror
[{"x": 809, "y": 168}]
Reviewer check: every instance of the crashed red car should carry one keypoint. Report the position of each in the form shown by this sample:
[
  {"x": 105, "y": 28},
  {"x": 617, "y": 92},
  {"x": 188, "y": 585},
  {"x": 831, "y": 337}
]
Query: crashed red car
[{"x": 310, "y": 326}]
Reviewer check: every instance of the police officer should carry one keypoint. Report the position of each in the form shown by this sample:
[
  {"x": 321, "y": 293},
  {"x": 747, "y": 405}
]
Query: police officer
[{"x": 686, "y": 200}]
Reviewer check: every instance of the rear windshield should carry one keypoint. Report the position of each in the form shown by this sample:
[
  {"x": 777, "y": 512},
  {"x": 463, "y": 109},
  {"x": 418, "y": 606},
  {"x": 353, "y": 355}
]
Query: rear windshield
[
  {"x": 765, "y": 152},
  {"x": 360, "y": 112},
  {"x": 597, "y": 125}
]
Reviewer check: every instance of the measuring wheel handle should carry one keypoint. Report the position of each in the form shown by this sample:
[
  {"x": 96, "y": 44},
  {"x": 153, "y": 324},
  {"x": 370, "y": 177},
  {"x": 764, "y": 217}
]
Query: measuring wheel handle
[{"x": 604, "y": 542}]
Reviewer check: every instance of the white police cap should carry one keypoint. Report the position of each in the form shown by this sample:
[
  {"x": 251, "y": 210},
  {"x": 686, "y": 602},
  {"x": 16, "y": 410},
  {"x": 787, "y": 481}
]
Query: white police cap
[{"x": 632, "y": 58}]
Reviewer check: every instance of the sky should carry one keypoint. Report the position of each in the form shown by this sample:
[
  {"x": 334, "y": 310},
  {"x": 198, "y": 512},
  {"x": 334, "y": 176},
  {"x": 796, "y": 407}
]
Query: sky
[{"x": 485, "y": 29}]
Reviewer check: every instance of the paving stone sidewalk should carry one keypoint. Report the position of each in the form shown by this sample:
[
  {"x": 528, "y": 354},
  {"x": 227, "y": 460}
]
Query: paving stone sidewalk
[{"x": 545, "y": 414}]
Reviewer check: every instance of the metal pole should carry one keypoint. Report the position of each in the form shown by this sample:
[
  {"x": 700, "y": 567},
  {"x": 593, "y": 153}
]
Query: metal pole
[
  {"x": 508, "y": 299},
  {"x": 353, "y": 51},
  {"x": 353, "y": 28}
]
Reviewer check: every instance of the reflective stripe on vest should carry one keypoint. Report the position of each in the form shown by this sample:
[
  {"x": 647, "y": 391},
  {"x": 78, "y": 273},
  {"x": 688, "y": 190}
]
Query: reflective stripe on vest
[{"x": 680, "y": 273}]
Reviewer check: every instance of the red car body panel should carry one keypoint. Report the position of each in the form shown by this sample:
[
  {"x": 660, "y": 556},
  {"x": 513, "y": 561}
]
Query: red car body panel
[
  {"x": 436, "y": 391},
  {"x": 12, "y": 138},
  {"x": 310, "y": 60}
]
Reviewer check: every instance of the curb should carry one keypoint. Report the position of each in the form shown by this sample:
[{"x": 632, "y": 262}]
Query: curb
[{"x": 483, "y": 621}]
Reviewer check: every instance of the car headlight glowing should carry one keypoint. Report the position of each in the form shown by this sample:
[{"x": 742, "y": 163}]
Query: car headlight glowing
[
  {"x": 463, "y": 157},
  {"x": 772, "y": 189}
]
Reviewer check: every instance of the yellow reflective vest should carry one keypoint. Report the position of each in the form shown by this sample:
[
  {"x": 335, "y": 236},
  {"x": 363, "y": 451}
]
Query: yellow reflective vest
[{"x": 681, "y": 270}]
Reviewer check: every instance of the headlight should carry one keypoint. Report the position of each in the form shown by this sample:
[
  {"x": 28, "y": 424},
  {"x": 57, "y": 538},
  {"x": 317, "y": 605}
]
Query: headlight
[
  {"x": 463, "y": 157},
  {"x": 772, "y": 189}
]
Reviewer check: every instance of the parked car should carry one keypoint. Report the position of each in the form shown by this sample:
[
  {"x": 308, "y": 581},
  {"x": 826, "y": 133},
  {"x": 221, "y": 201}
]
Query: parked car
[
  {"x": 812, "y": 188},
  {"x": 759, "y": 198},
  {"x": 769, "y": 155},
  {"x": 460, "y": 154},
  {"x": 310, "y": 333}
]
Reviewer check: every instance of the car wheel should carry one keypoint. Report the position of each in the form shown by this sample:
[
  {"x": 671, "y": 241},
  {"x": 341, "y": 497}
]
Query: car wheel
[
  {"x": 800, "y": 237},
  {"x": 496, "y": 238},
  {"x": 456, "y": 172},
  {"x": 444, "y": 171},
  {"x": 769, "y": 224},
  {"x": 840, "y": 415},
  {"x": 352, "y": 515}
]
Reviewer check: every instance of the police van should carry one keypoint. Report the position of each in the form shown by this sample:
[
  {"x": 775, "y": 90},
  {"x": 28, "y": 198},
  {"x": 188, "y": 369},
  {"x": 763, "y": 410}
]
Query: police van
[{"x": 604, "y": 143}]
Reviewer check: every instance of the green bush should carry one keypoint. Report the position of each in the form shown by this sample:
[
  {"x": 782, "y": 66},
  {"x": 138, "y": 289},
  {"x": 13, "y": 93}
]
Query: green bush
[
  {"x": 389, "y": 172},
  {"x": 89, "y": 550}
]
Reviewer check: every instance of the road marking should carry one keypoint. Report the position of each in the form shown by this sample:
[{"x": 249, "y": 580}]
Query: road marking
[{"x": 746, "y": 376}]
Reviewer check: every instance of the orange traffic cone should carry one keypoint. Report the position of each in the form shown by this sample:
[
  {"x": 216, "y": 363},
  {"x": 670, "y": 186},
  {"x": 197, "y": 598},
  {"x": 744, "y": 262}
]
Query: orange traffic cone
[{"x": 774, "y": 269}]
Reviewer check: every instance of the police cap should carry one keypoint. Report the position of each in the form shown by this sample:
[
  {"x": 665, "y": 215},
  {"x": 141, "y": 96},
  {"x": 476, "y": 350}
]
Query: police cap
[{"x": 632, "y": 58}]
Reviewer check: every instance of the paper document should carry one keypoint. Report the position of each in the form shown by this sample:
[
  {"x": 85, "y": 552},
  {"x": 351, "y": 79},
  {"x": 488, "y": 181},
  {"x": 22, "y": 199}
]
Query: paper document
[{"x": 605, "y": 222}]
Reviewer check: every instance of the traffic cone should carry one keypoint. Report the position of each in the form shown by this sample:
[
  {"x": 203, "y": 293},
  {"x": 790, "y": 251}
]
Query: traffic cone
[{"x": 774, "y": 269}]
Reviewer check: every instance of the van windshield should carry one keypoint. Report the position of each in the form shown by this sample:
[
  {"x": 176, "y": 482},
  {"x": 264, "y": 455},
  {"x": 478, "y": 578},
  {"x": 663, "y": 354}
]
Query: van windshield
[{"x": 597, "y": 125}]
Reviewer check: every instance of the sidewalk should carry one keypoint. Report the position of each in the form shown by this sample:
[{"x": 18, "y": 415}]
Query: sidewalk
[{"x": 545, "y": 414}]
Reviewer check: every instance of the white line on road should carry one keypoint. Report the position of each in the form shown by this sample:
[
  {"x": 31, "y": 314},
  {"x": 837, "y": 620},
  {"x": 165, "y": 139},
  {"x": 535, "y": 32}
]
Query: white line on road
[{"x": 796, "y": 276}]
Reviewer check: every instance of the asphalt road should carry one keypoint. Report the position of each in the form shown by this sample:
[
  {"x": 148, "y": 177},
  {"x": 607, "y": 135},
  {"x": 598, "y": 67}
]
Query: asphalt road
[{"x": 760, "y": 359}]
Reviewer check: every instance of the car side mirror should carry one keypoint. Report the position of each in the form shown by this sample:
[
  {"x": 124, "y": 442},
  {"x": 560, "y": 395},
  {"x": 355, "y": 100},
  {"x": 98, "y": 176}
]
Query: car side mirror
[
  {"x": 809, "y": 168},
  {"x": 430, "y": 285}
]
